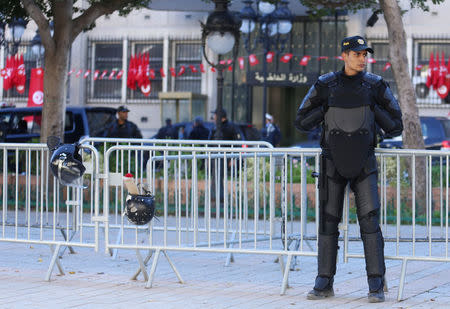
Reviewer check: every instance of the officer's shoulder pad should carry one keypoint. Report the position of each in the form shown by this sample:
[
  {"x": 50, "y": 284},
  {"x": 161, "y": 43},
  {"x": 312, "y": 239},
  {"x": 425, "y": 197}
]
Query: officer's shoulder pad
[
  {"x": 327, "y": 78},
  {"x": 372, "y": 78}
]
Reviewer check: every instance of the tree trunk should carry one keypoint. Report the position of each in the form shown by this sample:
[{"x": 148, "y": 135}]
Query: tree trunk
[
  {"x": 412, "y": 133},
  {"x": 53, "y": 111},
  {"x": 55, "y": 73}
]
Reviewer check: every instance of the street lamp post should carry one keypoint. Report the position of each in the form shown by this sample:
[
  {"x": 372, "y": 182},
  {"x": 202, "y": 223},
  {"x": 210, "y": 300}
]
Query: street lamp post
[
  {"x": 17, "y": 27},
  {"x": 37, "y": 49},
  {"x": 221, "y": 34},
  {"x": 275, "y": 23},
  {"x": 2, "y": 32}
]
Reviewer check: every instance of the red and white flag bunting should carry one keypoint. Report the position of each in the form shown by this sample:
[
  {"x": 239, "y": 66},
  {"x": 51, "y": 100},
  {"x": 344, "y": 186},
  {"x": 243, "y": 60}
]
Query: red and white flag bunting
[
  {"x": 286, "y": 57},
  {"x": 119, "y": 75},
  {"x": 438, "y": 72},
  {"x": 305, "y": 60},
  {"x": 386, "y": 66},
  {"x": 241, "y": 63},
  {"x": 253, "y": 60},
  {"x": 193, "y": 68},
  {"x": 111, "y": 75},
  {"x": 182, "y": 70}
]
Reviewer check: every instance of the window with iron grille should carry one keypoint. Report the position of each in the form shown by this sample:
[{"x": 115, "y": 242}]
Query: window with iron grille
[
  {"x": 381, "y": 55},
  {"x": 187, "y": 54},
  {"x": 155, "y": 52},
  {"x": 423, "y": 50},
  {"x": 107, "y": 58}
]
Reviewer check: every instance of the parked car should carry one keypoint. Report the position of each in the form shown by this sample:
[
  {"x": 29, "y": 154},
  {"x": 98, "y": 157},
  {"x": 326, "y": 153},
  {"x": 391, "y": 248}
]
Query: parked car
[
  {"x": 436, "y": 134},
  {"x": 23, "y": 124},
  {"x": 246, "y": 132}
]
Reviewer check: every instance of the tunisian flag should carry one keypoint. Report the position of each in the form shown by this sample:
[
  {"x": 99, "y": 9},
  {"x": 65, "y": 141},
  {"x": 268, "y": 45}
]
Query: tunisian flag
[
  {"x": 253, "y": 60},
  {"x": 305, "y": 60},
  {"x": 442, "y": 89},
  {"x": 435, "y": 73},
  {"x": 131, "y": 76},
  {"x": 36, "y": 91},
  {"x": 430, "y": 71},
  {"x": 269, "y": 56},
  {"x": 20, "y": 77},
  {"x": 447, "y": 77},
  {"x": 286, "y": 58},
  {"x": 8, "y": 73}
]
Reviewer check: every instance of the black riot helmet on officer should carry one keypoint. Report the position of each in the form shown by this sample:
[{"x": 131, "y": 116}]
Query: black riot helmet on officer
[{"x": 353, "y": 107}]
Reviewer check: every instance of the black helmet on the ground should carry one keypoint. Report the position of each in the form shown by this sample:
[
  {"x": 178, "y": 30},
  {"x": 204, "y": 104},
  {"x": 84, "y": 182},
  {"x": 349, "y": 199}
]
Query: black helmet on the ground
[
  {"x": 65, "y": 162},
  {"x": 140, "y": 209}
]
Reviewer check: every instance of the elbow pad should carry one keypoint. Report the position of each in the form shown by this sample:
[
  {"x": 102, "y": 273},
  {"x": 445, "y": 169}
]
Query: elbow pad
[
  {"x": 309, "y": 121},
  {"x": 389, "y": 102},
  {"x": 383, "y": 119},
  {"x": 392, "y": 126},
  {"x": 310, "y": 113}
]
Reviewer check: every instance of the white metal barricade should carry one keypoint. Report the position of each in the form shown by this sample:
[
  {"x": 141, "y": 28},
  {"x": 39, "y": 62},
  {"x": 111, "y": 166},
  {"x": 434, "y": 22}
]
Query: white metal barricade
[
  {"x": 134, "y": 162},
  {"x": 228, "y": 200},
  {"x": 254, "y": 200},
  {"x": 37, "y": 210},
  {"x": 414, "y": 209}
]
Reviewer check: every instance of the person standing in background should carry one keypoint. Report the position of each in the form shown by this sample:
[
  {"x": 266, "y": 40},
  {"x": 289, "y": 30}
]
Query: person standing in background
[
  {"x": 199, "y": 131},
  {"x": 167, "y": 132},
  {"x": 271, "y": 132},
  {"x": 122, "y": 127}
]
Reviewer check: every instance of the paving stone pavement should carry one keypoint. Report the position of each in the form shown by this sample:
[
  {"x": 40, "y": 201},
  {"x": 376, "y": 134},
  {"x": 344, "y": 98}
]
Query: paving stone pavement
[{"x": 95, "y": 280}]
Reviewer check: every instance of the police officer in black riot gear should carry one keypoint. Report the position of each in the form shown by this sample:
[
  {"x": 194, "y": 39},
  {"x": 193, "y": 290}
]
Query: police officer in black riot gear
[{"x": 352, "y": 106}]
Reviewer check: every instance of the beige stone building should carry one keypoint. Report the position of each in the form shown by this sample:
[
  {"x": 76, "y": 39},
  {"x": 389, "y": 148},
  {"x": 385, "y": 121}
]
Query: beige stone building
[{"x": 173, "y": 40}]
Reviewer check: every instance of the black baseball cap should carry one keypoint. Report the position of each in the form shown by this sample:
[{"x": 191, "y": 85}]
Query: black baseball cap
[
  {"x": 123, "y": 108},
  {"x": 355, "y": 43},
  {"x": 223, "y": 114}
]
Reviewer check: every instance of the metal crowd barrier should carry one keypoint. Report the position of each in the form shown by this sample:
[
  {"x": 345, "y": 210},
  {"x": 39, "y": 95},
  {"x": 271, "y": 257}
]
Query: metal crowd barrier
[
  {"x": 269, "y": 202},
  {"x": 135, "y": 162},
  {"x": 37, "y": 210},
  {"x": 414, "y": 209},
  {"x": 198, "y": 223},
  {"x": 249, "y": 218}
]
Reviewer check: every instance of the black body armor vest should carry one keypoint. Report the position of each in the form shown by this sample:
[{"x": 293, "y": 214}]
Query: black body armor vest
[{"x": 349, "y": 133}]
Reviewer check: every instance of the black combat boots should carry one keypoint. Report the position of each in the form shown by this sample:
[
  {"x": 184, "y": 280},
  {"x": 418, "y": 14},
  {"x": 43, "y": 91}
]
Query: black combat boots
[
  {"x": 323, "y": 288},
  {"x": 376, "y": 289}
]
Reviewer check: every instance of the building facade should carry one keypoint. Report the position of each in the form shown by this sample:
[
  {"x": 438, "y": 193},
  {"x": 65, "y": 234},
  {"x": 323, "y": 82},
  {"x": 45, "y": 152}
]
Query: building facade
[{"x": 100, "y": 60}]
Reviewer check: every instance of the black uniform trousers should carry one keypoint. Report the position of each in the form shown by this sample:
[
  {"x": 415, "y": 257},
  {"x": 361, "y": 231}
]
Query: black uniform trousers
[{"x": 367, "y": 201}]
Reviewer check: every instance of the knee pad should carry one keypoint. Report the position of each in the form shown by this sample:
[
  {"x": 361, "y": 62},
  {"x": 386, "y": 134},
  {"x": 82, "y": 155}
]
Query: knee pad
[{"x": 369, "y": 223}]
